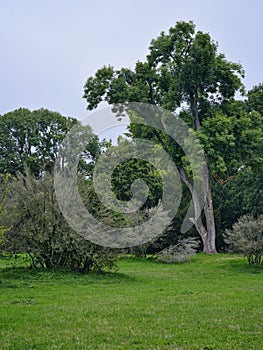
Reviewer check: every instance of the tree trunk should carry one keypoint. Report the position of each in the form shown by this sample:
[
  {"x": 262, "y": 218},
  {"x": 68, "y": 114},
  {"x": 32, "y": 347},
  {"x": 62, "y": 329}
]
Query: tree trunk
[
  {"x": 209, "y": 242},
  {"x": 207, "y": 233}
]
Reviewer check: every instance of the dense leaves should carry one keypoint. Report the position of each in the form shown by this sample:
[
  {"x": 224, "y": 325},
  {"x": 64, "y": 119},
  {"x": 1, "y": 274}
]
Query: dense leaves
[
  {"x": 4, "y": 190},
  {"x": 182, "y": 70},
  {"x": 40, "y": 230},
  {"x": 246, "y": 236},
  {"x": 31, "y": 139},
  {"x": 254, "y": 100}
]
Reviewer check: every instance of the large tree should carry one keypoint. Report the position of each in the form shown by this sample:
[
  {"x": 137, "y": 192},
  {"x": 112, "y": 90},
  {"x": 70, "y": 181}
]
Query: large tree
[
  {"x": 31, "y": 139},
  {"x": 183, "y": 69}
]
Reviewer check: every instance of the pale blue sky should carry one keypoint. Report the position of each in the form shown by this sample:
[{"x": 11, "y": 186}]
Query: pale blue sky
[{"x": 49, "y": 48}]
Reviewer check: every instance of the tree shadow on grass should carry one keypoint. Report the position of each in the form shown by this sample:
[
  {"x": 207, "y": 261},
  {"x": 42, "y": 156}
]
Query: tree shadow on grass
[
  {"x": 11, "y": 276},
  {"x": 239, "y": 265}
]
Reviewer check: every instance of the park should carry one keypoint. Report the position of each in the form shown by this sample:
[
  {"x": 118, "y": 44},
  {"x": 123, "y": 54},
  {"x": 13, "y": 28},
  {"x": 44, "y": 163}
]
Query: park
[{"x": 131, "y": 244}]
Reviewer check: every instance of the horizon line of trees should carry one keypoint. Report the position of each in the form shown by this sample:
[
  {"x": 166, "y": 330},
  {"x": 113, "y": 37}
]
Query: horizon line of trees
[{"x": 183, "y": 69}]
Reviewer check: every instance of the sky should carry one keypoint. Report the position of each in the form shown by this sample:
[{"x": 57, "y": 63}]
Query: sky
[{"x": 50, "y": 47}]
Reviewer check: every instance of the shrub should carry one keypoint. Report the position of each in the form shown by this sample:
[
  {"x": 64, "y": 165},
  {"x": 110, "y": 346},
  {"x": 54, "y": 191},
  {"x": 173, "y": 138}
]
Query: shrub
[
  {"x": 246, "y": 237},
  {"x": 40, "y": 230},
  {"x": 180, "y": 252}
]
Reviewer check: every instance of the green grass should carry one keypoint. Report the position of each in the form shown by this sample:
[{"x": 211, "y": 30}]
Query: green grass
[{"x": 213, "y": 302}]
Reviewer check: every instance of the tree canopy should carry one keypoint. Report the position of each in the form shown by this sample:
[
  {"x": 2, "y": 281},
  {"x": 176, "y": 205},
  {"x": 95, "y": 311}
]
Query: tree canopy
[{"x": 31, "y": 139}]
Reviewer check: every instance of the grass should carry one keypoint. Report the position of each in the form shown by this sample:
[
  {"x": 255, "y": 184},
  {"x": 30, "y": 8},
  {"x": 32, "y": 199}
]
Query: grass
[{"x": 212, "y": 302}]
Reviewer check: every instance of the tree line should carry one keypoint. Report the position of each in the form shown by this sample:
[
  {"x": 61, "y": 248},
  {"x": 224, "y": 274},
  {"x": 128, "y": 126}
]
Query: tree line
[{"x": 183, "y": 73}]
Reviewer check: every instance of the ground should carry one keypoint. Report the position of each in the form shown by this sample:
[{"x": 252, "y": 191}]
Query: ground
[{"x": 212, "y": 302}]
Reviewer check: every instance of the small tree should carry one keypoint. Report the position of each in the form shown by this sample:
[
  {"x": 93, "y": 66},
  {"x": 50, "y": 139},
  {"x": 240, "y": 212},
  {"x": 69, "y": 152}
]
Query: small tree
[
  {"x": 40, "y": 230},
  {"x": 246, "y": 237}
]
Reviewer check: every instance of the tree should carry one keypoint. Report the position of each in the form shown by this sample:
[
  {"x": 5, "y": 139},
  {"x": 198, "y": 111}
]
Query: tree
[
  {"x": 182, "y": 69},
  {"x": 30, "y": 143},
  {"x": 31, "y": 139},
  {"x": 232, "y": 140}
]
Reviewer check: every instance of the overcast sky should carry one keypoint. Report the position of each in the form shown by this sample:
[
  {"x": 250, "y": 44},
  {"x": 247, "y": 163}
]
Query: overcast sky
[{"x": 50, "y": 47}]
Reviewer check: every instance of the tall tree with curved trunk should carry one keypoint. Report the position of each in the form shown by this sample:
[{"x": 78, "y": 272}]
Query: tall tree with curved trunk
[{"x": 182, "y": 70}]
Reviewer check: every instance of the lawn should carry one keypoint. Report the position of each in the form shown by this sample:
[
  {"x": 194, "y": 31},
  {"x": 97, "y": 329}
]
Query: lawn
[{"x": 212, "y": 302}]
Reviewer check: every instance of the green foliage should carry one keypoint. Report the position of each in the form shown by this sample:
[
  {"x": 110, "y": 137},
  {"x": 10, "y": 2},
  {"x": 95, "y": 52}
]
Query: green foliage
[
  {"x": 31, "y": 139},
  {"x": 127, "y": 172},
  {"x": 246, "y": 236},
  {"x": 232, "y": 138},
  {"x": 235, "y": 196},
  {"x": 254, "y": 100},
  {"x": 183, "y": 69},
  {"x": 180, "y": 252},
  {"x": 182, "y": 66},
  {"x": 4, "y": 190},
  {"x": 190, "y": 69},
  {"x": 40, "y": 230}
]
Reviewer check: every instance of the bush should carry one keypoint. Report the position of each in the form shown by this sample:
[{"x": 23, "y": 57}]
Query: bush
[
  {"x": 40, "y": 230},
  {"x": 246, "y": 237},
  {"x": 180, "y": 252}
]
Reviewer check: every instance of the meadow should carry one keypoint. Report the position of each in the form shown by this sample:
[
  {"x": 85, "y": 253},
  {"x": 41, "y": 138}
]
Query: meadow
[{"x": 211, "y": 302}]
